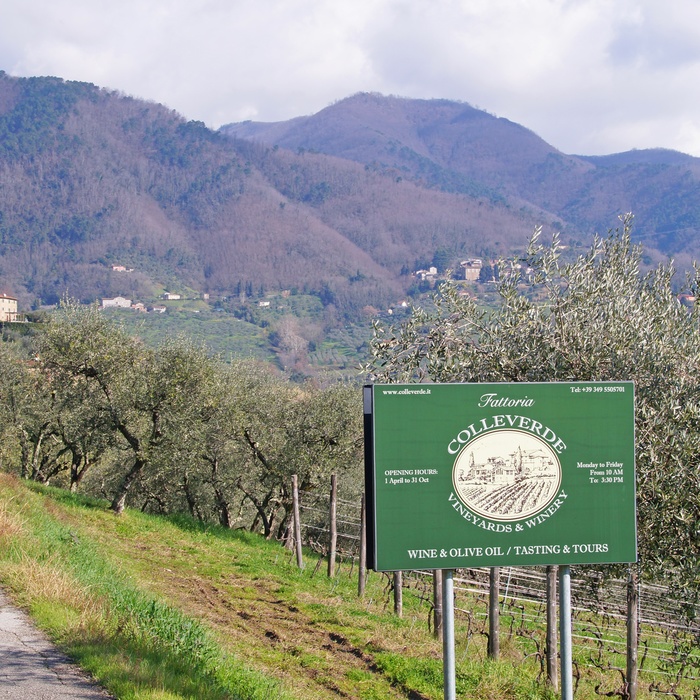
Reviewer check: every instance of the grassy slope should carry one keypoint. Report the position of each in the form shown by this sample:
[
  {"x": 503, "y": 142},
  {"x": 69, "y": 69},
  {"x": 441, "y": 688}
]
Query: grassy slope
[
  {"x": 112, "y": 590},
  {"x": 338, "y": 352},
  {"x": 164, "y": 609},
  {"x": 221, "y": 333}
]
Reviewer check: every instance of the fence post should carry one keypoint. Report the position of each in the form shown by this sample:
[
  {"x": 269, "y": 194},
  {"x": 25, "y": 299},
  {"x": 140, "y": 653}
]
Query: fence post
[
  {"x": 494, "y": 616},
  {"x": 289, "y": 536},
  {"x": 333, "y": 528},
  {"x": 398, "y": 593},
  {"x": 363, "y": 548},
  {"x": 632, "y": 632},
  {"x": 437, "y": 603},
  {"x": 551, "y": 647},
  {"x": 297, "y": 520}
]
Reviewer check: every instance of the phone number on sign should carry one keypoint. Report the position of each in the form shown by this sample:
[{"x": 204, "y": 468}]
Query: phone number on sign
[{"x": 597, "y": 389}]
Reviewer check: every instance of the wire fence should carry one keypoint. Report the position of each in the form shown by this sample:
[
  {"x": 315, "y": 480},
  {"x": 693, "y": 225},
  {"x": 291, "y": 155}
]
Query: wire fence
[{"x": 668, "y": 635}]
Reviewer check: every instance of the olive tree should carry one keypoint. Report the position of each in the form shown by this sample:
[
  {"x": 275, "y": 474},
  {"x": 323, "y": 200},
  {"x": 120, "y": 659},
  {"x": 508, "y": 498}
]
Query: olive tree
[
  {"x": 31, "y": 410},
  {"x": 148, "y": 398},
  {"x": 254, "y": 430},
  {"x": 596, "y": 317},
  {"x": 209, "y": 480},
  {"x": 183, "y": 430},
  {"x": 275, "y": 429},
  {"x": 83, "y": 427},
  {"x": 56, "y": 430}
]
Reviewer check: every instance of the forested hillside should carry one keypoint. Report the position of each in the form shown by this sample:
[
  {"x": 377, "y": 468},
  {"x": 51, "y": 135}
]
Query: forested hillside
[
  {"x": 92, "y": 179},
  {"x": 345, "y": 205}
]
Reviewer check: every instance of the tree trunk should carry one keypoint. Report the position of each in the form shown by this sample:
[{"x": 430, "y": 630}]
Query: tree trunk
[
  {"x": 224, "y": 510},
  {"x": 189, "y": 496},
  {"x": 78, "y": 468},
  {"x": 119, "y": 502},
  {"x": 260, "y": 506},
  {"x": 286, "y": 525},
  {"x": 24, "y": 469}
]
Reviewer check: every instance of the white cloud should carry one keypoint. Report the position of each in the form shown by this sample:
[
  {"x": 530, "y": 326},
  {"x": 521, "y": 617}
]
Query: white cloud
[{"x": 589, "y": 76}]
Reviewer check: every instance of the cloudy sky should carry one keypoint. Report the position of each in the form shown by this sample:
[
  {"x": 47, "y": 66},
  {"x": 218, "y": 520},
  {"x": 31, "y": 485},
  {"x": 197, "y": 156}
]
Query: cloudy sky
[{"x": 589, "y": 76}]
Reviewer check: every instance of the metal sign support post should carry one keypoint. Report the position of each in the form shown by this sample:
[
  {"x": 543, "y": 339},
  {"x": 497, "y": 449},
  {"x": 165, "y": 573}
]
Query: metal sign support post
[
  {"x": 567, "y": 689},
  {"x": 448, "y": 635}
]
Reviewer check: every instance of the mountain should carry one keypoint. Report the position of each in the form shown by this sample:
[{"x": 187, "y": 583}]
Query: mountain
[
  {"x": 343, "y": 204},
  {"x": 454, "y": 147},
  {"x": 446, "y": 144}
]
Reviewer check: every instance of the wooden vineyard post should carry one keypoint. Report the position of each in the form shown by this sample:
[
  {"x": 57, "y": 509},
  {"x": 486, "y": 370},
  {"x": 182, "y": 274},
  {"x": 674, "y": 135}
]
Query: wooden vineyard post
[
  {"x": 297, "y": 521},
  {"x": 398, "y": 593},
  {"x": 362, "y": 580},
  {"x": 437, "y": 603},
  {"x": 333, "y": 527},
  {"x": 494, "y": 616}
]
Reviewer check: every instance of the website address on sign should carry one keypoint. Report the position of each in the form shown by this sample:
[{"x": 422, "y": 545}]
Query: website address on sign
[{"x": 404, "y": 392}]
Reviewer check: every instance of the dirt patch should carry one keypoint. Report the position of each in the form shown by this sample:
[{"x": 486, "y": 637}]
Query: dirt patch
[{"x": 256, "y": 624}]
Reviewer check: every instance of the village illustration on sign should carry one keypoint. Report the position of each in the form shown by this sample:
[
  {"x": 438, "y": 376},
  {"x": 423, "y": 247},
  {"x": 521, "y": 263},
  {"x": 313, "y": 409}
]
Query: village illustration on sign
[{"x": 506, "y": 475}]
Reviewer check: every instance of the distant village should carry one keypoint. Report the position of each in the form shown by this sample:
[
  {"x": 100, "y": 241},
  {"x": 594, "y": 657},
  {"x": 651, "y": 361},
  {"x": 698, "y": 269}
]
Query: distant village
[
  {"x": 471, "y": 270},
  {"x": 120, "y": 302}
]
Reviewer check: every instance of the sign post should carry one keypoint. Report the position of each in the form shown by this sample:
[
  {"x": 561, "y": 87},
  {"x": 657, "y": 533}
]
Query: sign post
[
  {"x": 565, "y": 643},
  {"x": 488, "y": 475},
  {"x": 448, "y": 636}
]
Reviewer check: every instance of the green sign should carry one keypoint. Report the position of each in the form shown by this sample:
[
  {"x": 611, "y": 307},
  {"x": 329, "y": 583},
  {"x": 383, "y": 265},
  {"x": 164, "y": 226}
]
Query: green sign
[{"x": 472, "y": 475}]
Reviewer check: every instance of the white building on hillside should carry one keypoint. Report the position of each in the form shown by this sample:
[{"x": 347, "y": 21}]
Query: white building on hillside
[
  {"x": 119, "y": 302},
  {"x": 8, "y": 308},
  {"x": 472, "y": 268}
]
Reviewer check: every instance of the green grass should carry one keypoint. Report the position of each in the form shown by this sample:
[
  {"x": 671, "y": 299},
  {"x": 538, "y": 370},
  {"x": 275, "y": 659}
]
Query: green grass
[
  {"x": 338, "y": 354},
  {"x": 220, "y": 332},
  {"x": 136, "y": 644},
  {"x": 168, "y": 608}
]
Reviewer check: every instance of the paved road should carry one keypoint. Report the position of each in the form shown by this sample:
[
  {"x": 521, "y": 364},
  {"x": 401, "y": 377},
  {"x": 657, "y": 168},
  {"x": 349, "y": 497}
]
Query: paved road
[{"x": 31, "y": 668}]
